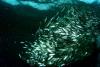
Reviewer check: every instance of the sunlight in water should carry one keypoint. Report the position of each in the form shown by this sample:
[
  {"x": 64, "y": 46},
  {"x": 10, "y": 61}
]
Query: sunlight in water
[
  {"x": 46, "y": 6},
  {"x": 12, "y": 2},
  {"x": 90, "y": 1}
]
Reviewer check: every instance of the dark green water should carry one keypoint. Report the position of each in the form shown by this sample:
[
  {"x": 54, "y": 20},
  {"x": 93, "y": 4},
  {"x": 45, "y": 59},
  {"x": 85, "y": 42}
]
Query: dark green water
[{"x": 18, "y": 24}]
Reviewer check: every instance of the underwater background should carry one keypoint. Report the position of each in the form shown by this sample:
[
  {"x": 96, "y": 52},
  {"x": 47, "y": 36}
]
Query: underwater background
[{"x": 19, "y": 24}]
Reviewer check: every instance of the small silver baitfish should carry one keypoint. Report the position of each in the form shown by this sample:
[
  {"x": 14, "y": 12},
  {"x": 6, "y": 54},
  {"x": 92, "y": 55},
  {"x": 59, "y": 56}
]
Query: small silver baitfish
[{"x": 68, "y": 37}]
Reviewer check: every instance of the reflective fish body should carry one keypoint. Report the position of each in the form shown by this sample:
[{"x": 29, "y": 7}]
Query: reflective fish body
[{"x": 67, "y": 37}]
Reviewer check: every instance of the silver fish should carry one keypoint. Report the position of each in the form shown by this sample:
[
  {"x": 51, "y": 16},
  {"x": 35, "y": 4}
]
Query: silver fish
[{"x": 66, "y": 39}]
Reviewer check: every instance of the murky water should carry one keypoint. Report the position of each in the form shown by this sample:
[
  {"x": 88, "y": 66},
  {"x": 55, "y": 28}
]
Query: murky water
[{"x": 54, "y": 36}]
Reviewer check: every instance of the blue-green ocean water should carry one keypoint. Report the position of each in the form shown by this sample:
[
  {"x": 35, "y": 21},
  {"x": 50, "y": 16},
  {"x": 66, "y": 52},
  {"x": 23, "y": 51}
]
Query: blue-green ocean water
[{"x": 19, "y": 24}]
